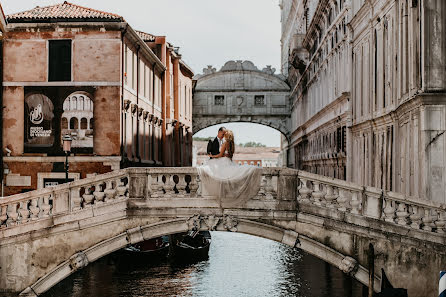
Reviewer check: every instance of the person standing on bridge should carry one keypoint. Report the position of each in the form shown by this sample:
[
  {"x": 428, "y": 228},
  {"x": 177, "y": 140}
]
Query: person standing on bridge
[
  {"x": 231, "y": 183},
  {"x": 214, "y": 146}
]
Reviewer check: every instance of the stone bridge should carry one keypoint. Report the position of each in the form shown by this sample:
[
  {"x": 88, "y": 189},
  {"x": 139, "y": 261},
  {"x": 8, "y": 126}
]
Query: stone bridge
[
  {"x": 48, "y": 234},
  {"x": 240, "y": 92}
]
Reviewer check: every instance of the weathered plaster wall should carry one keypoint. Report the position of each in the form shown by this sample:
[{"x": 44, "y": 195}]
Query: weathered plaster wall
[
  {"x": 97, "y": 59},
  {"x": 13, "y": 119},
  {"x": 24, "y": 58},
  {"x": 107, "y": 115}
]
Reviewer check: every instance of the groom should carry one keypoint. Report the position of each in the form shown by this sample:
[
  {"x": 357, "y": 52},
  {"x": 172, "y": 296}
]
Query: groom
[{"x": 214, "y": 146}]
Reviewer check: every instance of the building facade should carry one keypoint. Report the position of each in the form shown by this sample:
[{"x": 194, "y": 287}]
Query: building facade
[
  {"x": 368, "y": 89},
  {"x": 76, "y": 71}
]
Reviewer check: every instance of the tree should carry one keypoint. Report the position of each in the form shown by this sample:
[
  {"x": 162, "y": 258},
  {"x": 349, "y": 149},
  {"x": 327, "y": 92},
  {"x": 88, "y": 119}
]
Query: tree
[{"x": 253, "y": 144}]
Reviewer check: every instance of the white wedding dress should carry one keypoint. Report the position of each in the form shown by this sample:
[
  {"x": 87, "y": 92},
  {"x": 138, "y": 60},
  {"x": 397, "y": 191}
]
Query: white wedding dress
[{"x": 231, "y": 183}]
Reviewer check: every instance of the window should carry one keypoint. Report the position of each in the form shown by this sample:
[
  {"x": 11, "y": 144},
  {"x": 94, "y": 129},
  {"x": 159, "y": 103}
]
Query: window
[
  {"x": 59, "y": 66},
  {"x": 219, "y": 100},
  {"x": 259, "y": 100}
]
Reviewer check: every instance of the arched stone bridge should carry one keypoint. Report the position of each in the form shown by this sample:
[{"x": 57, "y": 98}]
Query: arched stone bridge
[
  {"x": 46, "y": 235},
  {"x": 240, "y": 92}
]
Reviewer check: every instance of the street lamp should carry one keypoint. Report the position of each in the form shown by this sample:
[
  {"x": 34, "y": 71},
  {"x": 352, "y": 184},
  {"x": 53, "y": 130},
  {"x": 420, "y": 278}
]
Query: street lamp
[{"x": 67, "y": 149}]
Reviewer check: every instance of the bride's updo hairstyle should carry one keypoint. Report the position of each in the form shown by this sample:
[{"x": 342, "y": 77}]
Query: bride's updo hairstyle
[{"x": 229, "y": 138}]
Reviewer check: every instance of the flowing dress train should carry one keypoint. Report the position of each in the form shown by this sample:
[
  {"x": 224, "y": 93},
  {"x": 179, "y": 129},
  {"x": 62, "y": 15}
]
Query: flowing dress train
[{"x": 231, "y": 183}]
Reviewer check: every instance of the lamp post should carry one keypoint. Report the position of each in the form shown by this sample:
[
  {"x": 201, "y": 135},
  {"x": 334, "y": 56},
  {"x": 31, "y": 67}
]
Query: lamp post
[{"x": 67, "y": 149}]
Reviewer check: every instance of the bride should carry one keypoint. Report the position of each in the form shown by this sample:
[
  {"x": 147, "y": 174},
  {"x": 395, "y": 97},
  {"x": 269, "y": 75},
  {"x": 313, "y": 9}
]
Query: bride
[{"x": 222, "y": 178}]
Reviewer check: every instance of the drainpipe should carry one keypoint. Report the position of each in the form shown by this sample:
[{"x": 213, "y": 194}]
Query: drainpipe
[
  {"x": 122, "y": 94},
  {"x": 137, "y": 104}
]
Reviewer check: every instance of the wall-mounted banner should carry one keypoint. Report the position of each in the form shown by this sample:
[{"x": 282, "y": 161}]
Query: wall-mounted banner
[
  {"x": 52, "y": 112},
  {"x": 39, "y": 114}
]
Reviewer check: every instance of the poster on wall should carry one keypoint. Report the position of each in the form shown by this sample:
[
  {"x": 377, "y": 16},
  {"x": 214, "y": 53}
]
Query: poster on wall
[
  {"x": 39, "y": 114},
  {"x": 53, "y": 112}
]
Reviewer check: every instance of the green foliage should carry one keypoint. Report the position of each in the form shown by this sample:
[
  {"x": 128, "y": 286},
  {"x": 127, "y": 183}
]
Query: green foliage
[{"x": 252, "y": 144}]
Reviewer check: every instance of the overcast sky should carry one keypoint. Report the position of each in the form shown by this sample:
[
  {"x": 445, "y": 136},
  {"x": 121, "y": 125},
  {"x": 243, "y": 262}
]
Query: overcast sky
[{"x": 208, "y": 32}]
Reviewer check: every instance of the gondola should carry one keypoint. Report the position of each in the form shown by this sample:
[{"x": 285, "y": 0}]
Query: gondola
[
  {"x": 191, "y": 246},
  {"x": 152, "y": 249}
]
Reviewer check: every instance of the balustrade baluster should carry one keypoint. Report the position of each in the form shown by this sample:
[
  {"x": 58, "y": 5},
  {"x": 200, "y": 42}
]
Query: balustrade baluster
[
  {"x": 34, "y": 209},
  {"x": 168, "y": 186},
  {"x": 23, "y": 211},
  {"x": 415, "y": 217},
  {"x": 12, "y": 215},
  {"x": 45, "y": 206},
  {"x": 402, "y": 214},
  {"x": 343, "y": 199},
  {"x": 440, "y": 222},
  {"x": 181, "y": 185},
  {"x": 304, "y": 192},
  {"x": 389, "y": 211},
  {"x": 98, "y": 193},
  {"x": 110, "y": 191},
  {"x": 121, "y": 189},
  {"x": 317, "y": 193},
  {"x": 88, "y": 196},
  {"x": 330, "y": 196},
  {"x": 427, "y": 220},
  {"x": 193, "y": 185},
  {"x": 356, "y": 202}
]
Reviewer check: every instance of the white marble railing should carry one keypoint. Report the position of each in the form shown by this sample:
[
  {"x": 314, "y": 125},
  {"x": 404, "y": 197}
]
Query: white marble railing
[
  {"x": 371, "y": 202},
  {"x": 184, "y": 182},
  {"x": 67, "y": 198},
  {"x": 278, "y": 184}
]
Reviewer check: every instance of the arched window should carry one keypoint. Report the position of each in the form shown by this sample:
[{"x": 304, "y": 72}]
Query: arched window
[
  {"x": 91, "y": 124},
  {"x": 74, "y": 124},
  {"x": 64, "y": 123},
  {"x": 84, "y": 124}
]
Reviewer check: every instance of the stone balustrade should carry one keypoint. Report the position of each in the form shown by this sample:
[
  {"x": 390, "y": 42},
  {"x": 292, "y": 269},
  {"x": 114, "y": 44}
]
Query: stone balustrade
[
  {"x": 278, "y": 184},
  {"x": 63, "y": 199},
  {"x": 371, "y": 202}
]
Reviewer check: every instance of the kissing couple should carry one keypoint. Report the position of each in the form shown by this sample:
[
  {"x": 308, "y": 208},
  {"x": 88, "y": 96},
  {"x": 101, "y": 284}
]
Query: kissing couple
[{"x": 222, "y": 178}]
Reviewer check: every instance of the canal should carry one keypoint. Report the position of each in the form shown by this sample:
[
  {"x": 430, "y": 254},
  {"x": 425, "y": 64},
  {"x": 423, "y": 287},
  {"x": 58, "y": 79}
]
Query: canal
[{"x": 238, "y": 265}]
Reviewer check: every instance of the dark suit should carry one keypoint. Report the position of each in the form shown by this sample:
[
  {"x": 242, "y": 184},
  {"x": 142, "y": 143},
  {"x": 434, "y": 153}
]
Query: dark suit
[{"x": 213, "y": 147}]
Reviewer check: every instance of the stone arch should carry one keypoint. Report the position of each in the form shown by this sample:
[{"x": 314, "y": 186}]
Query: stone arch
[
  {"x": 227, "y": 223},
  {"x": 205, "y": 123}
]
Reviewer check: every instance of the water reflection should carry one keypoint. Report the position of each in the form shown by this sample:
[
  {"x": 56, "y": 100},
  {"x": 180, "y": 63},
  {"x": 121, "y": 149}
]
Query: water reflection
[{"x": 238, "y": 265}]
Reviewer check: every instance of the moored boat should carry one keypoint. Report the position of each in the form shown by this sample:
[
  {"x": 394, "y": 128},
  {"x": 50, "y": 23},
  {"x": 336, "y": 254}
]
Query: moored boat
[
  {"x": 191, "y": 246},
  {"x": 155, "y": 248}
]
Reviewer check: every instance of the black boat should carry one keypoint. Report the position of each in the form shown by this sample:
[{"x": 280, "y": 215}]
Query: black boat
[
  {"x": 191, "y": 246},
  {"x": 155, "y": 248}
]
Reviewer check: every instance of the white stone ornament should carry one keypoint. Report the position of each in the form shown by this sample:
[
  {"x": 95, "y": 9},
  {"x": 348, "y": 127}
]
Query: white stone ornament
[
  {"x": 348, "y": 265},
  {"x": 194, "y": 222},
  {"x": 212, "y": 222},
  {"x": 78, "y": 261},
  {"x": 230, "y": 223}
]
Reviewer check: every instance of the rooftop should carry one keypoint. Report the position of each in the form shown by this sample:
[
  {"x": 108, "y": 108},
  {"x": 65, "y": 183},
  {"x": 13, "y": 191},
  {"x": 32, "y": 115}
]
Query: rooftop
[
  {"x": 146, "y": 36},
  {"x": 63, "y": 12}
]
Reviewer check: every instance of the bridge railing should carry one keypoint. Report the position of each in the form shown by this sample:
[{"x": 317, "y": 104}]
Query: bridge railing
[
  {"x": 62, "y": 199},
  {"x": 184, "y": 182},
  {"x": 371, "y": 202},
  {"x": 278, "y": 184}
]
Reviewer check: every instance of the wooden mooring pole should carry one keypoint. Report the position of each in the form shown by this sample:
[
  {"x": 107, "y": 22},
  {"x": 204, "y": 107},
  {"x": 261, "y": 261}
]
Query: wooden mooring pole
[{"x": 371, "y": 263}]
